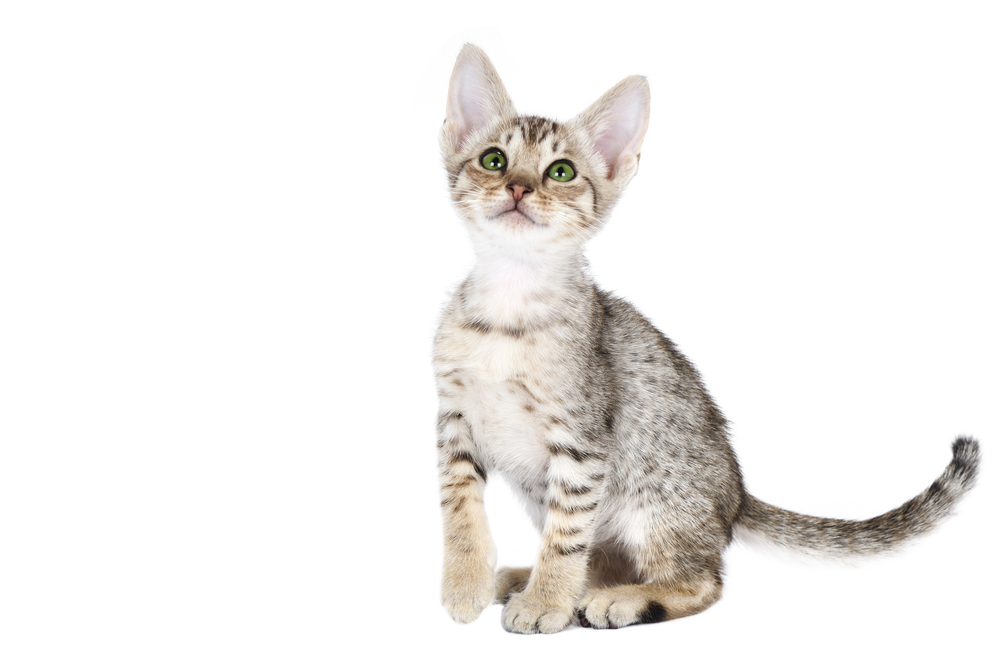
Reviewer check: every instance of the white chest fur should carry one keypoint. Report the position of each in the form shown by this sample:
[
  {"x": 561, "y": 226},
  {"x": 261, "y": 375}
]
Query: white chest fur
[
  {"x": 505, "y": 426},
  {"x": 500, "y": 355},
  {"x": 494, "y": 379}
]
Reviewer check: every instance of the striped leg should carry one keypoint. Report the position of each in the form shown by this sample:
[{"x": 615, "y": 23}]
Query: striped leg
[
  {"x": 469, "y": 553},
  {"x": 557, "y": 582}
]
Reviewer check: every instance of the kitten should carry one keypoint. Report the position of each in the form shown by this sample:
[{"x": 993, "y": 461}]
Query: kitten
[{"x": 591, "y": 414}]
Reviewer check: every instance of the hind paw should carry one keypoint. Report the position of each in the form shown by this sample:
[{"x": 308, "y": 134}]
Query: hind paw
[
  {"x": 614, "y": 607},
  {"x": 511, "y": 581}
]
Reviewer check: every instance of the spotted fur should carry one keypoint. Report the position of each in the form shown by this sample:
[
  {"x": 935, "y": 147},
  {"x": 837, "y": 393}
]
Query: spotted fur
[{"x": 595, "y": 418}]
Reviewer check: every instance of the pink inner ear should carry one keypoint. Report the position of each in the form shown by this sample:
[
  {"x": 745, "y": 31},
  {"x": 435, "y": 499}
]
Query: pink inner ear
[
  {"x": 474, "y": 98},
  {"x": 623, "y": 126},
  {"x": 471, "y": 106}
]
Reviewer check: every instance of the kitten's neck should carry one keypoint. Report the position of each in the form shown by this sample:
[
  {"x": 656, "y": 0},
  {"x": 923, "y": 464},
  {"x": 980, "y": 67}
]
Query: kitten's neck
[{"x": 522, "y": 289}]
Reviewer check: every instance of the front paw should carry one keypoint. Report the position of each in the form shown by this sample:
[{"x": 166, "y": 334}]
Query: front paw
[
  {"x": 524, "y": 614},
  {"x": 466, "y": 590}
]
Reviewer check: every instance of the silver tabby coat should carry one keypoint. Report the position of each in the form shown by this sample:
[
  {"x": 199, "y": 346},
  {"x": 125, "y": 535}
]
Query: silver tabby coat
[{"x": 590, "y": 413}]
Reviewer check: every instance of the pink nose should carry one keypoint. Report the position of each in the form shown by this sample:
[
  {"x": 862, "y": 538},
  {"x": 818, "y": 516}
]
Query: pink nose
[{"x": 519, "y": 190}]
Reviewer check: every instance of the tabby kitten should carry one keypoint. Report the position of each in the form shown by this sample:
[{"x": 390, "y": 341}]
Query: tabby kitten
[{"x": 589, "y": 412}]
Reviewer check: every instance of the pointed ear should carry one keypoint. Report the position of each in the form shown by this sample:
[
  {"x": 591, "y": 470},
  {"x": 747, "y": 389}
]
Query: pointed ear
[
  {"x": 617, "y": 124},
  {"x": 475, "y": 98}
]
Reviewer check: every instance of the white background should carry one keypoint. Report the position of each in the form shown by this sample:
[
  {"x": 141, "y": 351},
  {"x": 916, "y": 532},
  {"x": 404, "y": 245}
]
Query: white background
[{"x": 225, "y": 238}]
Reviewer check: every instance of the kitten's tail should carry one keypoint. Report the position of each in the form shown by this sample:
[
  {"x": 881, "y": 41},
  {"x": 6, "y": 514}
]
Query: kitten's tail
[{"x": 841, "y": 538}]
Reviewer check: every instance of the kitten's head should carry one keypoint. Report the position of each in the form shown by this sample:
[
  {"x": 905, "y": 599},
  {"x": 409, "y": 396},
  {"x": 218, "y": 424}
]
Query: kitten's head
[{"x": 531, "y": 183}]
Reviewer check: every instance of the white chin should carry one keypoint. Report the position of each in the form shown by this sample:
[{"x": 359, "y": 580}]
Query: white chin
[{"x": 515, "y": 218}]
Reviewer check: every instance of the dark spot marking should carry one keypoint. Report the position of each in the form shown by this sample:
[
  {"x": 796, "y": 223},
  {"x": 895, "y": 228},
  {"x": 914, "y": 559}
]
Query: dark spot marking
[
  {"x": 570, "y": 532},
  {"x": 465, "y": 456},
  {"x": 453, "y": 177},
  {"x": 480, "y": 471},
  {"x": 534, "y": 129},
  {"x": 482, "y": 326},
  {"x": 575, "y": 549},
  {"x": 592, "y": 190},
  {"x": 609, "y": 420},
  {"x": 523, "y": 387},
  {"x": 556, "y": 421},
  {"x": 556, "y": 449},
  {"x": 477, "y": 325},
  {"x": 572, "y": 510},
  {"x": 464, "y": 482},
  {"x": 655, "y": 612}
]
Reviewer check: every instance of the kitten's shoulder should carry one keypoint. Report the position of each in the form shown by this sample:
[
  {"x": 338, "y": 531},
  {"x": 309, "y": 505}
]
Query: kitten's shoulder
[
  {"x": 628, "y": 334},
  {"x": 624, "y": 322}
]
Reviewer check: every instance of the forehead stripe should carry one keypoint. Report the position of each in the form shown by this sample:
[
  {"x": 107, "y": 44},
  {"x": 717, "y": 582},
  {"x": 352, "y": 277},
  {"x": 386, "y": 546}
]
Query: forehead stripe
[{"x": 535, "y": 129}]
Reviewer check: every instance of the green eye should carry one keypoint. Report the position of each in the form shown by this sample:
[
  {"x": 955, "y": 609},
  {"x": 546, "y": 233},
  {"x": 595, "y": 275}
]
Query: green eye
[
  {"x": 493, "y": 160},
  {"x": 561, "y": 171}
]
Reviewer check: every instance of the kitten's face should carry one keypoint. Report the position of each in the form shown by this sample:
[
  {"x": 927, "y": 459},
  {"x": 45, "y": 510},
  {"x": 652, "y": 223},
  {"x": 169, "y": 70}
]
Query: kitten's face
[
  {"x": 527, "y": 183},
  {"x": 529, "y": 179}
]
